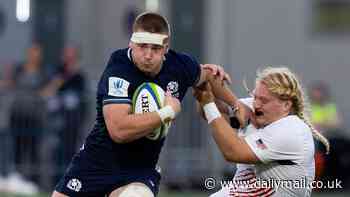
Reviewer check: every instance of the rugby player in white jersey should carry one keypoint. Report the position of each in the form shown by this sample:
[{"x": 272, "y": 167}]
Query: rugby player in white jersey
[{"x": 275, "y": 151}]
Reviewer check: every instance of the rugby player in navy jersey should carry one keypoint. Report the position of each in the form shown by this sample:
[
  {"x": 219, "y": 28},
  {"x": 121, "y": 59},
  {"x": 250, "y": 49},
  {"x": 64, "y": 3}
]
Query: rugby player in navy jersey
[{"x": 118, "y": 159}]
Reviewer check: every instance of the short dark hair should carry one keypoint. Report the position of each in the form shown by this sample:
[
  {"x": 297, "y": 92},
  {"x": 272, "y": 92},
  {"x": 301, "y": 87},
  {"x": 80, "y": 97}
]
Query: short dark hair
[{"x": 151, "y": 22}]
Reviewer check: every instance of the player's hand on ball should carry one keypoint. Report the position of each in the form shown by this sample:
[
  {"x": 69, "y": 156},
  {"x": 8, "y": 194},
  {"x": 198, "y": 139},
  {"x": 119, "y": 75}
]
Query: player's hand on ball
[
  {"x": 203, "y": 94},
  {"x": 173, "y": 102}
]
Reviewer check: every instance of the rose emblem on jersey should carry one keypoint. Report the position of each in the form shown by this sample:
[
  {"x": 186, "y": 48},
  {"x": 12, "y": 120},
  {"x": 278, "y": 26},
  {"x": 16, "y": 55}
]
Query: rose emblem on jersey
[{"x": 173, "y": 87}]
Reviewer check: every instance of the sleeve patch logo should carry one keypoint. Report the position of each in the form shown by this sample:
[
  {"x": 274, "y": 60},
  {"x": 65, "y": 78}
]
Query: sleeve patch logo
[
  {"x": 75, "y": 185},
  {"x": 118, "y": 87},
  {"x": 260, "y": 144},
  {"x": 173, "y": 88}
]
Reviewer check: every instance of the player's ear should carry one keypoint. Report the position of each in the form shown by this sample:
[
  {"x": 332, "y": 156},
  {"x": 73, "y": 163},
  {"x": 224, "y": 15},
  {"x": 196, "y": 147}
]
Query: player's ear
[
  {"x": 288, "y": 105},
  {"x": 130, "y": 44},
  {"x": 166, "y": 46}
]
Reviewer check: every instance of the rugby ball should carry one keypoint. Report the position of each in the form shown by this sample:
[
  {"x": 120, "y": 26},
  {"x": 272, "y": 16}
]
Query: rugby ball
[{"x": 149, "y": 97}]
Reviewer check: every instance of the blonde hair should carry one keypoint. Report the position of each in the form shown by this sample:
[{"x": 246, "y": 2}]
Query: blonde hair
[{"x": 284, "y": 83}]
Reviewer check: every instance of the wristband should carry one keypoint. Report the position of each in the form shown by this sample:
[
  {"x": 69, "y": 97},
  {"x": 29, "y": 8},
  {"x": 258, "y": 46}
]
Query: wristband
[
  {"x": 166, "y": 114},
  {"x": 211, "y": 112}
]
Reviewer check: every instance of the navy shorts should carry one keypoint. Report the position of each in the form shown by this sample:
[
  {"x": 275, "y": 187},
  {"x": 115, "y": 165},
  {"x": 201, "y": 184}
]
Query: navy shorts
[{"x": 83, "y": 178}]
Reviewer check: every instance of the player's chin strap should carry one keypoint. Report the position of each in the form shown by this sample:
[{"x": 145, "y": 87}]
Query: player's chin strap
[
  {"x": 148, "y": 38},
  {"x": 166, "y": 114}
]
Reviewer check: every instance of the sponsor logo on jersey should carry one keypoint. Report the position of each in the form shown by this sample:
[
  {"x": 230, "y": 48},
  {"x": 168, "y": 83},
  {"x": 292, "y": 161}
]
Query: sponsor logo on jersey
[{"x": 118, "y": 87}]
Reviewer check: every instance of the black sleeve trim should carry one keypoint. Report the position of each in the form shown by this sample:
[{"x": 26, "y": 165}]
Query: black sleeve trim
[
  {"x": 286, "y": 162},
  {"x": 116, "y": 101},
  {"x": 198, "y": 77}
]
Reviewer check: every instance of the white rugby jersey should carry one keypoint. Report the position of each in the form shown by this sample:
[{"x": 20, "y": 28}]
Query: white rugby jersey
[{"x": 286, "y": 151}]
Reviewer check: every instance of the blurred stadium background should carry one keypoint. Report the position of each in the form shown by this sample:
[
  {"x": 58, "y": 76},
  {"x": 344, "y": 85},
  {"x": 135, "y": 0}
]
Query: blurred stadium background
[{"x": 313, "y": 37}]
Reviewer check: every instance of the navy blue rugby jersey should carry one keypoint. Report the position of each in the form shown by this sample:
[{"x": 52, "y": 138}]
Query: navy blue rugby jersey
[{"x": 117, "y": 85}]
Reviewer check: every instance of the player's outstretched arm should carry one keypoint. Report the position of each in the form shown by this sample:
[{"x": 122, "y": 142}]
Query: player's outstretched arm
[
  {"x": 216, "y": 75},
  {"x": 217, "y": 71},
  {"x": 234, "y": 148},
  {"x": 217, "y": 78}
]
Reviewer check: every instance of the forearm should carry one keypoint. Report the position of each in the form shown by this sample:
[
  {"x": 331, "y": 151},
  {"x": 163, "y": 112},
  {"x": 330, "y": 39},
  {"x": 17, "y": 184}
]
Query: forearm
[
  {"x": 133, "y": 126},
  {"x": 227, "y": 139},
  {"x": 222, "y": 92},
  {"x": 241, "y": 110},
  {"x": 233, "y": 147}
]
